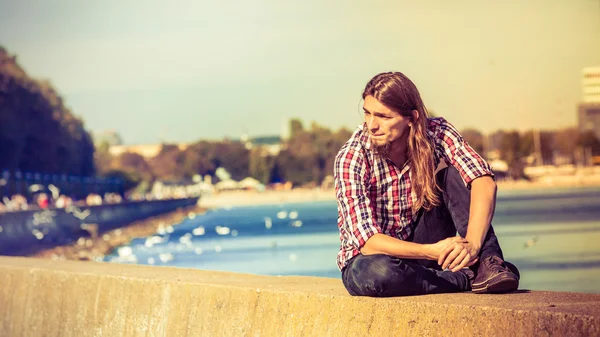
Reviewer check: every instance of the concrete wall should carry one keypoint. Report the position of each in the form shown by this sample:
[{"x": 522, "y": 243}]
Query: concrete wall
[
  {"x": 59, "y": 226},
  {"x": 67, "y": 298}
]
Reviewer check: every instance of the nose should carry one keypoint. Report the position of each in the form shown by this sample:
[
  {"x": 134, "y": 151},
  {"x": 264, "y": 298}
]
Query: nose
[{"x": 372, "y": 124}]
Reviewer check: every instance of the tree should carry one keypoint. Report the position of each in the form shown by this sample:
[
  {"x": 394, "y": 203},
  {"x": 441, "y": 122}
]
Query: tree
[
  {"x": 475, "y": 139},
  {"x": 168, "y": 164},
  {"x": 295, "y": 127},
  {"x": 37, "y": 131},
  {"x": 513, "y": 151},
  {"x": 588, "y": 140},
  {"x": 200, "y": 159},
  {"x": 565, "y": 140},
  {"x": 261, "y": 165},
  {"x": 234, "y": 157},
  {"x": 136, "y": 165}
]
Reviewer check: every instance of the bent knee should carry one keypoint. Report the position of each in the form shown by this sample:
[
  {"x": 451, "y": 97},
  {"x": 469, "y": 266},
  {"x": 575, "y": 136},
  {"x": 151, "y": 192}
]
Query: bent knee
[{"x": 374, "y": 275}]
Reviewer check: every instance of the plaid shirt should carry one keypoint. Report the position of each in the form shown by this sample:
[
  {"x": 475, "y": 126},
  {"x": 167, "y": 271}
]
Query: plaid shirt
[{"x": 375, "y": 196}]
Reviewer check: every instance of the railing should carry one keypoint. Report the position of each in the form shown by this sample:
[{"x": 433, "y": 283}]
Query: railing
[{"x": 17, "y": 182}]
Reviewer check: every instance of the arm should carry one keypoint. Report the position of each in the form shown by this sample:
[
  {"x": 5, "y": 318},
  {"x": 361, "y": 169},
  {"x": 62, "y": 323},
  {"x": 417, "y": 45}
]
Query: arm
[
  {"x": 356, "y": 222},
  {"x": 478, "y": 176},
  {"x": 358, "y": 228},
  {"x": 384, "y": 244},
  {"x": 483, "y": 202}
]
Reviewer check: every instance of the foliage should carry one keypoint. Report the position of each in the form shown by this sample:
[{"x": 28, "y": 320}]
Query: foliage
[
  {"x": 38, "y": 133},
  {"x": 513, "y": 149},
  {"x": 475, "y": 139},
  {"x": 588, "y": 139}
]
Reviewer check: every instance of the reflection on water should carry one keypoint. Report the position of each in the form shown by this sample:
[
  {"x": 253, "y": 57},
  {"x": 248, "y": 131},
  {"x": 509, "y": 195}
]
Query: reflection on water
[{"x": 551, "y": 235}]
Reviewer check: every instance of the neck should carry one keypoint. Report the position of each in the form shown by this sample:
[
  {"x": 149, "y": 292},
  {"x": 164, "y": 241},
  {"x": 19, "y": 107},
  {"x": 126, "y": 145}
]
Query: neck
[{"x": 399, "y": 152}]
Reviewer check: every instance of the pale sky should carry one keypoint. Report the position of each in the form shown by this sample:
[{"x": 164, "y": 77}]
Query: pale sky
[{"x": 183, "y": 71}]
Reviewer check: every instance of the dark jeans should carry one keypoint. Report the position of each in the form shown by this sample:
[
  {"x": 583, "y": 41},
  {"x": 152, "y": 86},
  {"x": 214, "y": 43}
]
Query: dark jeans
[{"x": 383, "y": 275}]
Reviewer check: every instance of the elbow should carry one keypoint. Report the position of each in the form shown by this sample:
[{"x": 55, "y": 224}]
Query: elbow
[{"x": 370, "y": 247}]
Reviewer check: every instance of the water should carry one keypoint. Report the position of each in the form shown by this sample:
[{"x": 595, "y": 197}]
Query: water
[{"x": 552, "y": 235}]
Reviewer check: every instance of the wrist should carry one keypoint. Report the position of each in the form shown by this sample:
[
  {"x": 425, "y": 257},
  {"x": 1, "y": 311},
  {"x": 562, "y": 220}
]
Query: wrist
[
  {"x": 429, "y": 252},
  {"x": 475, "y": 243}
]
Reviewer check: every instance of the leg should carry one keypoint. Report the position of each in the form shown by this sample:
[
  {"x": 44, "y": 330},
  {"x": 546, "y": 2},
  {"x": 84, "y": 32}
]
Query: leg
[
  {"x": 457, "y": 199},
  {"x": 384, "y": 276},
  {"x": 451, "y": 216}
]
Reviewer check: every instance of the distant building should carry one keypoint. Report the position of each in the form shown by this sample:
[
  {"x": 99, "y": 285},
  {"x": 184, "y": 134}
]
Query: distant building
[
  {"x": 146, "y": 151},
  {"x": 589, "y": 108},
  {"x": 591, "y": 85},
  {"x": 270, "y": 145}
]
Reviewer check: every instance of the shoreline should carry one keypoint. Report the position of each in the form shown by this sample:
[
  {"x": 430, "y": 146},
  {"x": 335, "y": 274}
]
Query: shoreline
[
  {"x": 251, "y": 198},
  {"x": 95, "y": 246}
]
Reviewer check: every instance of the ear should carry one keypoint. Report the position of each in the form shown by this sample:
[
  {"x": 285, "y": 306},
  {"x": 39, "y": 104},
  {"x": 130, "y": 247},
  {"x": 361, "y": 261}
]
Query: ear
[{"x": 415, "y": 115}]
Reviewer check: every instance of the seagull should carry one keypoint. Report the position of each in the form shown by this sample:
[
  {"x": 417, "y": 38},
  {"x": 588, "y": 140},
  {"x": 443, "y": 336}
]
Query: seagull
[{"x": 531, "y": 242}]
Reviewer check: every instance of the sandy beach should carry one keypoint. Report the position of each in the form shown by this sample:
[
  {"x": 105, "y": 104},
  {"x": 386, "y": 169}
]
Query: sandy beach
[{"x": 247, "y": 198}]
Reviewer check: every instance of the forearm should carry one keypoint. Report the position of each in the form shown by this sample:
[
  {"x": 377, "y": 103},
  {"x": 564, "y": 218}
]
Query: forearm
[
  {"x": 384, "y": 244},
  {"x": 483, "y": 202}
]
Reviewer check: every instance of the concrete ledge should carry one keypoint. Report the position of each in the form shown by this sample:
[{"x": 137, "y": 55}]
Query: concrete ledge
[{"x": 57, "y": 298}]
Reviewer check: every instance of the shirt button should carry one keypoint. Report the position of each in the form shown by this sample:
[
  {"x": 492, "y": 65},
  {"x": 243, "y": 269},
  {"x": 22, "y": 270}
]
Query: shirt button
[
  {"x": 402, "y": 198},
  {"x": 403, "y": 218}
]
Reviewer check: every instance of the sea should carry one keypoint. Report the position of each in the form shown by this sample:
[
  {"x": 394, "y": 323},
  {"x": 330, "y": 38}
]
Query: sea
[{"x": 551, "y": 234}]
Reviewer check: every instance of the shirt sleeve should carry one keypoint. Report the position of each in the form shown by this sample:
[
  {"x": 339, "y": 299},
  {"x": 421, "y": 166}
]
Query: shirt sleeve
[
  {"x": 450, "y": 146},
  {"x": 356, "y": 223}
]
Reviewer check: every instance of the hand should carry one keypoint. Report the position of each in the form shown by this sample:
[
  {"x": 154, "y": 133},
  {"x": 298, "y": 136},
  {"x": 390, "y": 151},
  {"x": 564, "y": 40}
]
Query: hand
[
  {"x": 437, "y": 248},
  {"x": 458, "y": 254}
]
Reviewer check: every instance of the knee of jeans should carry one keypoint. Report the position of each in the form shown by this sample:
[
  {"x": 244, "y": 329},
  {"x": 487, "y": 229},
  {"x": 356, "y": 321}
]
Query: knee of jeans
[{"x": 373, "y": 275}]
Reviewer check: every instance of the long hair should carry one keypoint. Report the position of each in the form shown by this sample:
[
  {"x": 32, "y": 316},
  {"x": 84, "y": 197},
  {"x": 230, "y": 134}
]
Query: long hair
[{"x": 399, "y": 93}]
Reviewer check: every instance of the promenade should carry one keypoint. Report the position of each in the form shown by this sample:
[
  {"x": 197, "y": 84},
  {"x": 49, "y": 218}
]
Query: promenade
[{"x": 69, "y": 298}]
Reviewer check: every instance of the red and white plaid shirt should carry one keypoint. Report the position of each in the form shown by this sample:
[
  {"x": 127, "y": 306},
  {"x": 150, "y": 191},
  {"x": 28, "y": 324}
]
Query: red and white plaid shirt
[{"x": 375, "y": 196}]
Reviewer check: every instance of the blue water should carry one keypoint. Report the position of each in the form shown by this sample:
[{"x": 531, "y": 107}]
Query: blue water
[{"x": 552, "y": 235}]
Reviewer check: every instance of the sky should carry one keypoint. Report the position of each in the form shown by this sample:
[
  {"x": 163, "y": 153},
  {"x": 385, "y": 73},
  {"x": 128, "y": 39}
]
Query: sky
[{"x": 181, "y": 71}]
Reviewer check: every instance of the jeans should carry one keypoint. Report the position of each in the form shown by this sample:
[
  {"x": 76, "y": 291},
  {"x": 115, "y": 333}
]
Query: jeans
[{"x": 382, "y": 275}]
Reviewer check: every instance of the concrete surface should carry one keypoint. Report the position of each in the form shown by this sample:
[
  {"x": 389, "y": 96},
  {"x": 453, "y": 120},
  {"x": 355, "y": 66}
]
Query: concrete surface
[{"x": 67, "y": 298}]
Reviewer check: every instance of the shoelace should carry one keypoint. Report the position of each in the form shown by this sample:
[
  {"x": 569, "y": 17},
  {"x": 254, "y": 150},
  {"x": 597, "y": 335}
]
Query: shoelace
[{"x": 495, "y": 264}]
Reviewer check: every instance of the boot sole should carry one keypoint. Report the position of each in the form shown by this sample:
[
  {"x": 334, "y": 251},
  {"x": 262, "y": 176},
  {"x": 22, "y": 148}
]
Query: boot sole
[{"x": 499, "y": 284}]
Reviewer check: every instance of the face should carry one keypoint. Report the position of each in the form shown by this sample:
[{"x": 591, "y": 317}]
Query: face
[{"x": 386, "y": 127}]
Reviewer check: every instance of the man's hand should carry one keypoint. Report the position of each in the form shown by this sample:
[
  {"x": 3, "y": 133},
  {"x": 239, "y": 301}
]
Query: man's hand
[
  {"x": 457, "y": 254},
  {"x": 436, "y": 249}
]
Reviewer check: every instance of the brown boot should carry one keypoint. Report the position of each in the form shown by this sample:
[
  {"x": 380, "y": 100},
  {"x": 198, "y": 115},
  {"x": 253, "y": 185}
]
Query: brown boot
[{"x": 495, "y": 276}]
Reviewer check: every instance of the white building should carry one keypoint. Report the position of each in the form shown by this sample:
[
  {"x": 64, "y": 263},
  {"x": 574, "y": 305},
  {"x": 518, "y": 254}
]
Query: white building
[
  {"x": 590, "y": 85},
  {"x": 589, "y": 108}
]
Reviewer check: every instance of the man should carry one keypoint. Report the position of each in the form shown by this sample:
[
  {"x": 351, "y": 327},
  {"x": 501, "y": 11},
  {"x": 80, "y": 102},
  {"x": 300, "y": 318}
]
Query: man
[{"x": 398, "y": 218}]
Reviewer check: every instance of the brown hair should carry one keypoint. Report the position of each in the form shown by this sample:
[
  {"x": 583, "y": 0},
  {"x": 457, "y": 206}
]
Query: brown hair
[{"x": 399, "y": 93}]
